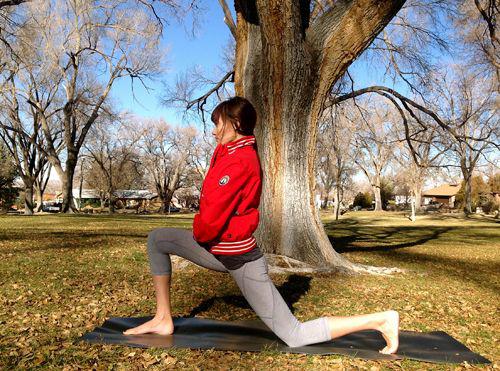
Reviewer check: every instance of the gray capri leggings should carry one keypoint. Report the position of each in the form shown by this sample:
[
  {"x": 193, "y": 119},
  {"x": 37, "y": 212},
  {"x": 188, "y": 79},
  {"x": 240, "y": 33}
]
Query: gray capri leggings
[{"x": 252, "y": 279}]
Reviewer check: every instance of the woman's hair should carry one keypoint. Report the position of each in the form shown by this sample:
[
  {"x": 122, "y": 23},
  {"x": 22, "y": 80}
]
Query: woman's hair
[{"x": 234, "y": 110}]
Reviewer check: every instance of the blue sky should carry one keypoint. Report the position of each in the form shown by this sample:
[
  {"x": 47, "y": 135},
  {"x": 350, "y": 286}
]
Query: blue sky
[{"x": 185, "y": 51}]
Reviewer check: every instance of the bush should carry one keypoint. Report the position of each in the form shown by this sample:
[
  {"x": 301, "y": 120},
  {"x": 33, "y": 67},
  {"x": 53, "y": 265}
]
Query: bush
[
  {"x": 363, "y": 199},
  {"x": 490, "y": 206}
]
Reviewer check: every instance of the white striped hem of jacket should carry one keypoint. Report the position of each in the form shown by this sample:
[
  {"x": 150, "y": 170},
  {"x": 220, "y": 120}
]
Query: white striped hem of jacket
[{"x": 237, "y": 246}]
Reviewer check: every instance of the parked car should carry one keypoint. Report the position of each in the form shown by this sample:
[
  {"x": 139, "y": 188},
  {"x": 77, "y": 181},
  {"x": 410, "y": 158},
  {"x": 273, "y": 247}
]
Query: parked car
[
  {"x": 53, "y": 207},
  {"x": 174, "y": 209},
  {"x": 433, "y": 205}
]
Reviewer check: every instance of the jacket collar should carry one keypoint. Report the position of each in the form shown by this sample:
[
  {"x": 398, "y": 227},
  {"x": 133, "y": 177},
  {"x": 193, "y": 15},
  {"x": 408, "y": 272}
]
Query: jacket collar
[{"x": 232, "y": 146}]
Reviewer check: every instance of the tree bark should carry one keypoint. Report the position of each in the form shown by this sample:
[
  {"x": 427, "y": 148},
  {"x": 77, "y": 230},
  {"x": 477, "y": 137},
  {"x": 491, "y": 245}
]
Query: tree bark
[
  {"x": 468, "y": 193},
  {"x": 39, "y": 198},
  {"x": 417, "y": 193},
  {"x": 28, "y": 196},
  {"x": 166, "y": 199},
  {"x": 67, "y": 180},
  {"x": 377, "y": 194},
  {"x": 286, "y": 68}
]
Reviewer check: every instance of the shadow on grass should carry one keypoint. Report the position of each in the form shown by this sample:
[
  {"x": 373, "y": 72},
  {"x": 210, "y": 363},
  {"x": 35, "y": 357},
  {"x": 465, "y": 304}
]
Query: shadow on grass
[
  {"x": 384, "y": 238},
  {"x": 292, "y": 290},
  {"x": 106, "y": 218},
  {"x": 462, "y": 217},
  {"x": 478, "y": 272},
  {"x": 392, "y": 243},
  {"x": 45, "y": 241}
]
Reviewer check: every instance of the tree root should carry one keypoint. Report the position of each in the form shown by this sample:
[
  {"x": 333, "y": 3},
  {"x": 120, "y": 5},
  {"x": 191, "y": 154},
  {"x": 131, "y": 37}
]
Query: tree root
[{"x": 285, "y": 264}]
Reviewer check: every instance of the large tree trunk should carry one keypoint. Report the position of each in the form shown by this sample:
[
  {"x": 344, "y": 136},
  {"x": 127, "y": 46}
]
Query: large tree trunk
[
  {"x": 166, "y": 199},
  {"x": 287, "y": 70},
  {"x": 377, "y": 194},
  {"x": 417, "y": 194},
  {"x": 28, "y": 196},
  {"x": 468, "y": 194},
  {"x": 112, "y": 200},
  {"x": 336, "y": 204},
  {"x": 39, "y": 197},
  {"x": 67, "y": 182},
  {"x": 467, "y": 175}
]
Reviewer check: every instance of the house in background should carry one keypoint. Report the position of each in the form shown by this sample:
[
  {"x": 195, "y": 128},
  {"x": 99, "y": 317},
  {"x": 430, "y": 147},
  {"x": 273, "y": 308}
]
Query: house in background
[
  {"x": 135, "y": 197},
  {"x": 87, "y": 195},
  {"x": 444, "y": 194},
  {"x": 129, "y": 197}
]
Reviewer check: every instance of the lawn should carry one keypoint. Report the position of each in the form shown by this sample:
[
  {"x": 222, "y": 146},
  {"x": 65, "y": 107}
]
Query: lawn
[{"x": 62, "y": 275}]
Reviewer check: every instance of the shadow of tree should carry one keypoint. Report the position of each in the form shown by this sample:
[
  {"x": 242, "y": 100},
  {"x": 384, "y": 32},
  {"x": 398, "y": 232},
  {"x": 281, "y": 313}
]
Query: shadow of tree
[
  {"x": 384, "y": 238},
  {"x": 292, "y": 290},
  {"x": 478, "y": 272},
  {"x": 44, "y": 241},
  {"x": 392, "y": 243}
]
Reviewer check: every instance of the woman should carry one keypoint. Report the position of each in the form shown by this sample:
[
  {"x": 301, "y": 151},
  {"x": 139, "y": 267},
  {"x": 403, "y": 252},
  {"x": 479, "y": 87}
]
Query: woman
[{"x": 222, "y": 240}]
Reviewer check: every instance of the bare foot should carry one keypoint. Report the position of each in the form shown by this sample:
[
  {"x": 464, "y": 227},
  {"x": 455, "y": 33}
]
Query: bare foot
[
  {"x": 160, "y": 326},
  {"x": 390, "y": 331}
]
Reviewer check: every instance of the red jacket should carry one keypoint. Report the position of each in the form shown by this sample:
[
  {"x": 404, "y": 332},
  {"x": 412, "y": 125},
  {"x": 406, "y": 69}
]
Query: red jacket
[{"x": 229, "y": 200}]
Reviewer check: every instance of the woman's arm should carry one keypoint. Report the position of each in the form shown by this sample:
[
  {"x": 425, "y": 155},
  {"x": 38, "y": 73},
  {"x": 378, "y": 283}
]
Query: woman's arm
[{"x": 219, "y": 201}]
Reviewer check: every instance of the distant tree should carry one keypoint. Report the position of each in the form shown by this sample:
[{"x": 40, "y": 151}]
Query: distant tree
[
  {"x": 476, "y": 23},
  {"x": 386, "y": 191},
  {"x": 165, "y": 153},
  {"x": 112, "y": 146},
  {"x": 374, "y": 150},
  {"x": 469, "y": 106},
  {"x": 479, "y": 193},
  {"x": 8, "y": 173},
  {"x": 22, "y": 131},
  {"x": 335, "y": 166},
  {"x": 494, "y": 182}
]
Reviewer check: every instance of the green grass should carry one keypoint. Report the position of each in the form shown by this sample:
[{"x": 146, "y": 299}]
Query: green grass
[{"x": 62, "y": 275}]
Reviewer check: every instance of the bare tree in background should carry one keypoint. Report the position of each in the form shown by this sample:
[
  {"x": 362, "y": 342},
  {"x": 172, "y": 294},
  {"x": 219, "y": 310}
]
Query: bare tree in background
[
  {"x": 165, "y": 154},
  {"x": 335, "y": 163},
  {"x": 476, "y": 23},
  {"x": 199, "y": 159},
  {"x": 374, "y": 138},
  {"x": 429, "y": 151},
  {"x": 468, "y": 105},
  {"x": 25, "y": 141},
  {"x": 112, "y": 145}
]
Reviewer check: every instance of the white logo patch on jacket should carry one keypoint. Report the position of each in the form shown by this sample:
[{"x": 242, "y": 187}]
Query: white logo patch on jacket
[{"x": 224, "y": 180}]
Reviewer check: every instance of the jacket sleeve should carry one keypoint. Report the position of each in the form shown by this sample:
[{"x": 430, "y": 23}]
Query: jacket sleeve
[{"x": 219, "y": 202}]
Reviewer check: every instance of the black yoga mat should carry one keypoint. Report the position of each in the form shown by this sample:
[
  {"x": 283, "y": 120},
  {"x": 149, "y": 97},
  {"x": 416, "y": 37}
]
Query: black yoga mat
[{"x": 254, "y": 336}]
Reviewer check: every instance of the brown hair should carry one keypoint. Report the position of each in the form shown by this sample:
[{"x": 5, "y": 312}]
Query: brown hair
[{"x": 236, "y": 110}]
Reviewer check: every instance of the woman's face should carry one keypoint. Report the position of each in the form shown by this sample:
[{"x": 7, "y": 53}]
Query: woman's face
[{"x": 224, "y": 133}]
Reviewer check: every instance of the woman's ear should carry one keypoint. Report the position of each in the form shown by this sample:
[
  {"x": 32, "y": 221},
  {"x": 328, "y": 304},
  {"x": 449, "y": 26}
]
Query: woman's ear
[{"x": 237, "y": 126}]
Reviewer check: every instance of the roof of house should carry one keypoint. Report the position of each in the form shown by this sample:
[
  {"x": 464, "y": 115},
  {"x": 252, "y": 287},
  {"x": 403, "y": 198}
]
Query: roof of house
[
  {"x": 135, "y": 194},
  {"x": 443, "y": 190},
  {"x": 141, "y": 194}
]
